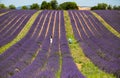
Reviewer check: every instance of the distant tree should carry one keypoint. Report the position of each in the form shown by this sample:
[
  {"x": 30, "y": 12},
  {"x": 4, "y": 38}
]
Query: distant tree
[
  {"x": 109, "y": 7},
  {"x": 44, "y": 5},
  {"x": 68, "y": 6},
  {"x": 94, "y": 8},
  {"x": 116, "y": 7},
  {"x": 24, "y": 7},
  {"x": 2, "y": 6},
  {"x": 34, "y": 6},
  {"x": 102, "y": 6},
  {"x": 12, "y": 6},
  {"x": 59, "y": 8},
  {"x": 54, "y": 4},
  {"x": 49, "y": 6}
]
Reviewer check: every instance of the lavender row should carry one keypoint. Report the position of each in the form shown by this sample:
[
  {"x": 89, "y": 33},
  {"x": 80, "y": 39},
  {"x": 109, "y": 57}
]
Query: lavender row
[
  {"x": 24, "y": 61},
  {"x": 27, "y": 44},
  {"x": 18, "y": 59},
  {"x": 7, "y": 37},
  {"x": 11, "y": 27},
  {"x": 10, "y": 22},
  {"x": 52, "y": 63},
  {"x": 3, "y": 10},
  {"x": 6, "y": 18},
  {"x": 111, "y": 17},
  {"x": 106, "y": 34},
  {"x": 12, "y": 17},
  {"x": 21, "y": 42},
  {"x": 98, "y": 39},
  {"x": 11, "y": 31},
  {"x": 69, "y": 69},
  {"x": 46, "y": 64},
  {"x": 39, "y": 61}
]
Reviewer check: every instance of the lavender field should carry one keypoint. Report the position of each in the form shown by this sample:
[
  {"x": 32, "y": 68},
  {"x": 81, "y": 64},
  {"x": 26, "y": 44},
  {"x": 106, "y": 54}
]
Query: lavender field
[
  {"x": 34, "y": 56},
  {"x": 111, "y": 17},
  {"x": 98, "y": 43}
]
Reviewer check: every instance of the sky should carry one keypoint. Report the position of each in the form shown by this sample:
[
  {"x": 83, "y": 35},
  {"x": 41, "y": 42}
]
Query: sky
[{"x": 18, "y": 3}]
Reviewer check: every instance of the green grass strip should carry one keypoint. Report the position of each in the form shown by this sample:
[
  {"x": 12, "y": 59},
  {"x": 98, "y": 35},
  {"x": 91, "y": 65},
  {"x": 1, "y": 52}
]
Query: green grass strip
[
  {"x": 3, "y": 13},
  {"x": 110, "y": 28},
  {"x": 58, "y": 73},
  {"x": 86, "y": 67},
  {"x": 23, "y": 32}
]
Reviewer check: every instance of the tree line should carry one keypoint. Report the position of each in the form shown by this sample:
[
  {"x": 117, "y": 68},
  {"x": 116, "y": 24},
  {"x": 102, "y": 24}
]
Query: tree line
[
  {"x": 52, "y": 5},
  {"x": 104, "y": 6},
  {"x": 2, "y": 6}
]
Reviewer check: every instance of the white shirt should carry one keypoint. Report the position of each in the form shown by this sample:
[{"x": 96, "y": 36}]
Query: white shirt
[{"x": 50, "y": 40}]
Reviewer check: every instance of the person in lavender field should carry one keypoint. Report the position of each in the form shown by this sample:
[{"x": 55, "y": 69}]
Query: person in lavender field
[
  {"x": 70, "y": 41},
  {"x": 51, "y": 39}
]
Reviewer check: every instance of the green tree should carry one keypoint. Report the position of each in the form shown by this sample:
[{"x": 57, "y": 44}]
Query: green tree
[
  {"x": 68, "y": 6},
  {"x": 94, "y": 8},
  {"x": 49, "y": 6},
  {"x": 2, "y": 6},
  {"x": 102, "y": 6},
  {"x": 24, "y": 7},
  {"x": 54, "y": 4},
  {"x": 116, "y": 7},
  {"x": 34, "y": 6},
  {"x": 109, "y": 7},
  {"x": 44, "y": 5},
  {"x": 12, "y": 6}
]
